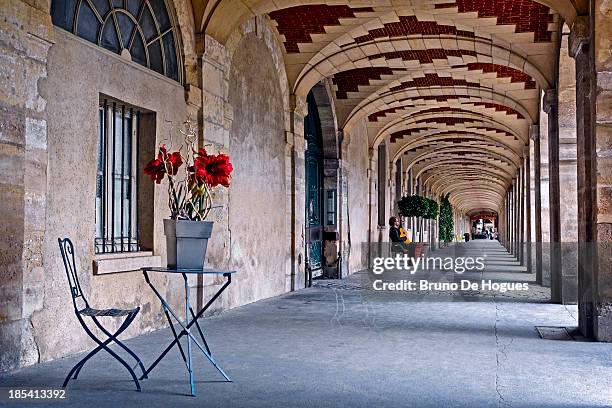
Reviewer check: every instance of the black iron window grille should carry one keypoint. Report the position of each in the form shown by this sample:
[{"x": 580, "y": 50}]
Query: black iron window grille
[
  {"x": 117, "y": 178},
  {"x": 143, "y": 31}
]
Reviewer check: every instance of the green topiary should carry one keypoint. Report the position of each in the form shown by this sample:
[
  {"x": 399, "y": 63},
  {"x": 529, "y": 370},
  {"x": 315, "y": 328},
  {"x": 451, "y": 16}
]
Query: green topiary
[
  {"x": 413, "y": 206},
  {"x": 446, "y": 220}
]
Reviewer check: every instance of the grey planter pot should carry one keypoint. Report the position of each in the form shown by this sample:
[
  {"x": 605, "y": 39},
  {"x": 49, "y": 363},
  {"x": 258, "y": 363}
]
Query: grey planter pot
[{"x": 186, "y": 242}]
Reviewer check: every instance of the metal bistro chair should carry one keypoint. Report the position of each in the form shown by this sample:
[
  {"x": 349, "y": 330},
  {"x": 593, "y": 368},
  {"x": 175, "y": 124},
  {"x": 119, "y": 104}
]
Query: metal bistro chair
[{"x": 67, "y": 251}]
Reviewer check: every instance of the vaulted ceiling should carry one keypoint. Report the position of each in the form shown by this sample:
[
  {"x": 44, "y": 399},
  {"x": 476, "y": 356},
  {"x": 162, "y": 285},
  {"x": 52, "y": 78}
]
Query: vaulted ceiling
[{"x": 451, "y": 85}]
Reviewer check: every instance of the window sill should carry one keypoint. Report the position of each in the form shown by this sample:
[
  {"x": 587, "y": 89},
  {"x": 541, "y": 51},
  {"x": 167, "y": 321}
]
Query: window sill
[{"x": 104, "y": 264}]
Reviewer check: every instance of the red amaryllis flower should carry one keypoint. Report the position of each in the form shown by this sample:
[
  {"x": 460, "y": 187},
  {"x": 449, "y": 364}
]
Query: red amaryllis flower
[
  {"x": 214, "y": 170},
  {"x": 164, "y": 163},
  {"x": 156, "y": 170},
  {"x": 175, "y": 160}
]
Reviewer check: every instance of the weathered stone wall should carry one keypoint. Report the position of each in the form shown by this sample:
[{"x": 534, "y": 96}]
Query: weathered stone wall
[
  {"x": 257, "y": 202},
  {"x": 72, "y": 89}
]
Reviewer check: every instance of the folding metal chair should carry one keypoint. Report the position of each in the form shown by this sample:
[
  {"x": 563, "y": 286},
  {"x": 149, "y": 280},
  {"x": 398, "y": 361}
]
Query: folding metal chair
[{"x": 78, "y": 297}]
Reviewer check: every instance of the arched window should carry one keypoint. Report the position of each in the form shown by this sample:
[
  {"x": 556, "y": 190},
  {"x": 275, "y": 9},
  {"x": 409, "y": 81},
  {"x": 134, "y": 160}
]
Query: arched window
[{"x": 144, "y": 30}]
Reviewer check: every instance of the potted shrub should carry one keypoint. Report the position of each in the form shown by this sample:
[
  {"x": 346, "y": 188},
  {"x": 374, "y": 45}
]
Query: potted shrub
[
  {"x": 192, "y": 173},
  {"x": 415, "y": 206}
]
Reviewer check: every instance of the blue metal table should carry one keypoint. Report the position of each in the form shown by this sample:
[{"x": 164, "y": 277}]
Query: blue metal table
[{"x": 188, "y": 322}]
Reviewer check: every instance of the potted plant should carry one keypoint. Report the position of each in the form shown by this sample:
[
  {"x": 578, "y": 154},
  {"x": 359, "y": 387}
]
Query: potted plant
[
  {"x": 415, "y": 206},
  {"x": 192, "y": 175}
]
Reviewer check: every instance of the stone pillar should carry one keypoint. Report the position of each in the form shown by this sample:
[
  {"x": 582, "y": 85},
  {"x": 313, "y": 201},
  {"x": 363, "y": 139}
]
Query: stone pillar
[
  {"x": 550, "y": 105},
  {"x": 508, "y": 219},
  {"x": 545, "y": 193},
  {"x": 568, "y": 174},
  {"x": 372, "y": 202},
  {"x": 601, "y": 81},
  {"x": 295, "y": 155},
  {"x": 590, "y": 45},
  {"x": 515, "y": 217},
  {"x": 521, "y": 217},
  {"x": 398, "y": 185},
  {"x": 535, "y": 137},
  {"x": 26, "y": 34},
  {"x": 383, "y": 192},
  {"x": 579, "y": 47},
  {"x": 527, "y": 190}
]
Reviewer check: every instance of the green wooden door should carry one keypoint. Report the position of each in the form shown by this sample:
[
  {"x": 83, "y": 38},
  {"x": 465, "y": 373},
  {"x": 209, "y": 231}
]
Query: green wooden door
[{"x": 314, "y": 189}]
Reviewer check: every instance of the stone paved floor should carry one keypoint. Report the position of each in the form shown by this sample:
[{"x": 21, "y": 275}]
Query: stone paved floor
[{"x": 338, "y": 344}]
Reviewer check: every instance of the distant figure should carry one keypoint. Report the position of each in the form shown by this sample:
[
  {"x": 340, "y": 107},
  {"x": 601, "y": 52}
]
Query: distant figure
[
  {"x": 402, "y": 231},
  {"x": 394, "y": 232}
]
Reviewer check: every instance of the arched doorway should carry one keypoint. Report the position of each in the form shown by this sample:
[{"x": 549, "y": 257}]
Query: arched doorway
[{"x": 313, "y": 159}]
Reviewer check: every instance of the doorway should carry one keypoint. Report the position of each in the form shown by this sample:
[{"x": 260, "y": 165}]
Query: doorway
[{"x": 314, "y": 192}]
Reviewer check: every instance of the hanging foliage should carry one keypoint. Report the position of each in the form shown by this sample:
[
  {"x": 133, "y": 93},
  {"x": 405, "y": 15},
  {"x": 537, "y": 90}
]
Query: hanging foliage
[
  {"x": 413, "y": 206},
  {"x": 446, "y": 220}
]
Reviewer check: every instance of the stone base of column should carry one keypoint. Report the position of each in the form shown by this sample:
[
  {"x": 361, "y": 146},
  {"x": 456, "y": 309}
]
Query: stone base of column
[{"x": 602, "y": 322}]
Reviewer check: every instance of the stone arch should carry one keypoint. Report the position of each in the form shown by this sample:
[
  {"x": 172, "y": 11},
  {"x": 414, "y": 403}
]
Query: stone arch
[
  {"x": 260, "y": 28},
  {"x": 327, "y": 115}
]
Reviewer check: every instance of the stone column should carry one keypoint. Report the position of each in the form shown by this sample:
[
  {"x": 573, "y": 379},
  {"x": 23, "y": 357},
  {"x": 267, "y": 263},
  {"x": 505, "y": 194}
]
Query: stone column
[
  {"x": 515, "y": 217},
  {"x": 26, "y": 34},
  {"x": 568, "y": 174},
  {"x": 521, "y": 217},
  {"x": 398, "y": 185},
  {"x": 382, "y": 192},
  {"x": 600, "y": 94},
  {"x": 535, "y": 137},
  {"x": 372, "y": 202},
  {"x": 579, "y": 47},
  {"x": 550, "y": 105},
  {"x": 527, "y": 189},
  {"x": 295, "y": 155},
  {"x": 508, "y": 219}
]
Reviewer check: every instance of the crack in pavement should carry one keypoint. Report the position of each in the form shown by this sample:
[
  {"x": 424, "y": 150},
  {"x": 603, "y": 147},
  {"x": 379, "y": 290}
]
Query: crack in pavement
[{"x": 500, "y": 351}]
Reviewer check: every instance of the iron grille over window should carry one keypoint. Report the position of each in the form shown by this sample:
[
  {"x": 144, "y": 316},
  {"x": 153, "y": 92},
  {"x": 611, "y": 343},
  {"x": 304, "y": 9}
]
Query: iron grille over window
[
  {"x": 142, "y": 30},
  {"x": 116, "y": 180}
]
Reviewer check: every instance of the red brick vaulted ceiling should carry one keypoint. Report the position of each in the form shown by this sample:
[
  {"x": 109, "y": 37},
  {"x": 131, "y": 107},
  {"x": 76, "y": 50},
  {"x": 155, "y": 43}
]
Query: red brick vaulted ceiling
[
  {"x": 411, "y": 25},
  {"x": 504, "y": 72},
  {"x": 408, "y": 132},
  {"x": 433, "y": 80},
  {"x": 423, "y": 56},
  {"x": 299, "y": 22},
  {"x": 448, "y": 121},
  {"x": 349, "y": 81},
  {"x": 498, "y": 108},
  {"x": 527, "y": 15}
]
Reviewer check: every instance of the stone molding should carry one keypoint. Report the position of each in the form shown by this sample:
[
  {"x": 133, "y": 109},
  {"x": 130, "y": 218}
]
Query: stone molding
[
  {"x": 534, "y": 132},
  {"x": 579, "y": 35}
]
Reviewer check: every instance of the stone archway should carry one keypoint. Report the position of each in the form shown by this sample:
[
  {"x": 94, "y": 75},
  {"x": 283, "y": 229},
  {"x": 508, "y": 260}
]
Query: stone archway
[{"x": 322, "y": 119}]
